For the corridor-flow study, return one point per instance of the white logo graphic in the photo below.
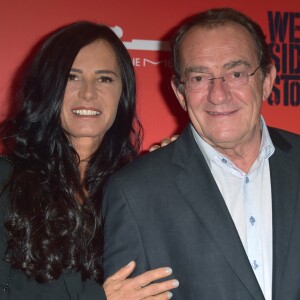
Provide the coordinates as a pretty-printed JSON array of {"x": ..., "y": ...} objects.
[{"x": 150, "y": 45}]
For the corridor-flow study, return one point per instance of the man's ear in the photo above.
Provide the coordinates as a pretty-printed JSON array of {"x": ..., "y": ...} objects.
[
  {"x": 269, "y": 82},
  {"x": 180, "y": 93}
]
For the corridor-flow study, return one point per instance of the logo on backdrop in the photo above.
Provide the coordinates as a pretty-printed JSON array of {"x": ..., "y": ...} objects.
[
  {"x": 151, "y": 45},
  {"x": 145, "y": 45},
  {"x": 284, "y": 29},
  {"x": 284, "y": 32}
]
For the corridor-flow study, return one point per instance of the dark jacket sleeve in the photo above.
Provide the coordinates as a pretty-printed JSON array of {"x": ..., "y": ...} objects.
[
  {"x": 122, "y": 239},
  {"x": 92, "y": 291},
  {"x": 82, "y": 290},
  {"x": 5, "y": 170}
]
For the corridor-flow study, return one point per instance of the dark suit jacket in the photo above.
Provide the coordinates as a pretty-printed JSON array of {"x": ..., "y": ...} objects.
[
  {"x": 165, "y": 209},
  {"x": 14, "y": 285}
]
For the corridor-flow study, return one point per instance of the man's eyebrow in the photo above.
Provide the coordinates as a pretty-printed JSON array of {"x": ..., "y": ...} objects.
[
  {"x": 196, "y": 69},
  {"x": 227, "y": 66},
  {"x": 236, "y": 63}
]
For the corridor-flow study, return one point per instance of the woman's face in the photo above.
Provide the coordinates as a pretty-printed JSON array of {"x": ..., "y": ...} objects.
[{"x": 92, "y": 95}]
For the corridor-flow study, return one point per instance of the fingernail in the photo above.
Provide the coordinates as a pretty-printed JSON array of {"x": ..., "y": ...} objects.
[
  {"x": 175, "y": 283},
  {"x": 168, "y": 271},
  {"x": 170, "y": 295},
  {"x": 128, "y": 265}
]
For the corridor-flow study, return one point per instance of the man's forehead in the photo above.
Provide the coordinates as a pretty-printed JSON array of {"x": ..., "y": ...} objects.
[{"x": 227, "y": 66}]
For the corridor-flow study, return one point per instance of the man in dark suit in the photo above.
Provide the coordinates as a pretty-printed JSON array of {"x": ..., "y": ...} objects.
[{"x": 220, "y": 205}]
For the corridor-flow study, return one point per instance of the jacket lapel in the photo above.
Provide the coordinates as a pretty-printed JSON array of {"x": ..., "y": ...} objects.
[{"x": 198, "y": 188}]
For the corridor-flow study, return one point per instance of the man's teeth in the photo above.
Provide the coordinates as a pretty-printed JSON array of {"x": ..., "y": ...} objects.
[
  {"x": 85, "y": 112},
  {"x": 216, "y": 113}
]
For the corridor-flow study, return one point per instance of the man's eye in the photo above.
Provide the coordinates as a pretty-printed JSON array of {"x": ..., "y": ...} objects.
[
  {"x": 237, "y": 74},
  {"x": 198, "y": 78},
  {"x": 105, "y": 79}
]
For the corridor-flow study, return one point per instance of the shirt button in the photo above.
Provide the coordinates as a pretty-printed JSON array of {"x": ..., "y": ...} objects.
[
  {"x": 255, "y": 265},
  {"x": 224, "y": 161},
  {"x": 252, "y": 220},
  {"x": 247, "y": 179}
]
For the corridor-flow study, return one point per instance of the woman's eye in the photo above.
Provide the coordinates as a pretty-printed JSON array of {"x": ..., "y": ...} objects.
[
  {"x": 72, "y": 77},
  {"x": 105, "y": 79}
]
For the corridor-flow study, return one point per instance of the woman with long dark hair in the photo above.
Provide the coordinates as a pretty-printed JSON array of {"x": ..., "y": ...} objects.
[{"x": 75, "y": 125}]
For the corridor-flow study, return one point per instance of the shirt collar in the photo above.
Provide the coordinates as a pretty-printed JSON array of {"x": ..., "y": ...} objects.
[{"x": 265, "y": 151}]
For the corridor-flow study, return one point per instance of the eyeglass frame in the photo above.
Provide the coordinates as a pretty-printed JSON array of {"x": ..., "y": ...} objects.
[{"x": 211, "y": 80}]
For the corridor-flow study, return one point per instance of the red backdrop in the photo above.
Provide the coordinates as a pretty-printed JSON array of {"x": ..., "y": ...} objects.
[{"x": 145, "y": 27}]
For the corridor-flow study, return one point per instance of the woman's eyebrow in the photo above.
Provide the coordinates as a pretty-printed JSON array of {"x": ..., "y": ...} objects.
[
  {"x": 105, "y": 72},
  {"x": 75, "y": 70}
]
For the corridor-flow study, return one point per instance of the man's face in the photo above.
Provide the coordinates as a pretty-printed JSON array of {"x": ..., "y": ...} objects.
[{"x": 224, "y": 115}]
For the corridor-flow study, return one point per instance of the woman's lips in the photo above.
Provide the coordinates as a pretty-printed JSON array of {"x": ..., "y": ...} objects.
[{"x": 86, "y": 111}]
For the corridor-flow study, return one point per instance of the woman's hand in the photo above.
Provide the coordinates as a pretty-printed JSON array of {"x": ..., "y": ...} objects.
[
  {"x": 164, "y": 142},
  {"x": 118, "y": 287}
]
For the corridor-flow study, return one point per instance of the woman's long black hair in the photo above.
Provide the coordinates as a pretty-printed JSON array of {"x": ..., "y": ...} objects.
[{"x": 49, "y": 231}]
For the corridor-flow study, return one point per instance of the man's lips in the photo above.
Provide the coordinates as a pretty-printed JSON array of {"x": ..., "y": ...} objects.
[{"x": 225, "y": 113}]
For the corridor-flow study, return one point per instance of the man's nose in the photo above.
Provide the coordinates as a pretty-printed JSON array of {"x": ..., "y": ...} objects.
[{"x": 218, "y": 90}]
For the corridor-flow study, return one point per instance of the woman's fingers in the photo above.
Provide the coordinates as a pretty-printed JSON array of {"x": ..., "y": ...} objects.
[
  {"x": 154, "y": 147},
  {"x": 117, "y": 287},
  {"x": 159, "y": 290},
  {"x": 174, "y": 137},
  {"x": 124, "y": 272},
  {"x": 164, "y": 296},
  {"x": 164, "y": 142},
  {"x": 149, "y": 276}
]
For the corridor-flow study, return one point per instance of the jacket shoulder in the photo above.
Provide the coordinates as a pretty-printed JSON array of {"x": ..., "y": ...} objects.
[{"x": 285, "y": 140}]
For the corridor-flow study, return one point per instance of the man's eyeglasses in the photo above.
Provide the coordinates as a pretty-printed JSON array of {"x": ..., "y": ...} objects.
[{"x": 199, "y": 82}]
